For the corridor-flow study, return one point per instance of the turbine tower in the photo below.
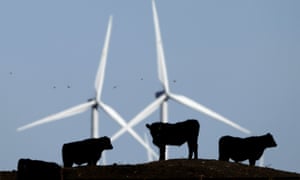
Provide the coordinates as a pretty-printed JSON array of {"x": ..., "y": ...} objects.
[
  {"x": 163, "y": 96},
  {"x": 94, "y": 104}
]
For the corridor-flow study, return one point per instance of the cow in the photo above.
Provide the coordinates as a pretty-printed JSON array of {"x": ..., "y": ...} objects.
[
  {"x": 175, "y": 134},
  {"x": 37, "y": 170},
  {"x": 240, "y": 149},
  {"x": 86, "y": 151}
]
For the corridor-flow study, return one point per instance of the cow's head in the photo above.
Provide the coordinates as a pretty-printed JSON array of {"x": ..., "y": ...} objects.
[
  {"x": 269, "y": 140},
  {"x": 156, "y": 132},
  {"x": 105, "y": 143}
]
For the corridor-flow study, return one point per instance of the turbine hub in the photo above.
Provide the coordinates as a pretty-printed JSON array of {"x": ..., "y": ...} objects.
[{"x": 96, "y": 104}]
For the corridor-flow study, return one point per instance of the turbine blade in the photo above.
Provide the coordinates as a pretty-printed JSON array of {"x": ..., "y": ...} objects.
[
  {"x": 118, "y": 134},
  {"x": 147, "y": 111},
  {"x": 141, "y": 116},
  {"x": 149, "y": 155},
  {"x": 142, "y": 142},
  {"x": 101, "y": 69},
  {"x": 137, "y": 137},
  {"x": 66, "y": 113},
  {"x": 193, "y": 104},
  {"x": 162, "y": 70},
  {"x": 113, "y": 114}
]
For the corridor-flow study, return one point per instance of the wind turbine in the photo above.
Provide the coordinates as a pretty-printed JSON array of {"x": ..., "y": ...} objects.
[
  {"x": 163, "y": 96},
  {"x": 94, "y": 104}
]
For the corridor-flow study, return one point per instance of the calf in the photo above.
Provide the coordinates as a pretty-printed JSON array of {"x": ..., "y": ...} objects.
[
  {"x": 86, "y": 151},
  {"x": 36, "y": 170},
  {"x": 240, "y": 149},
  {"x": 175, "y": 134}
]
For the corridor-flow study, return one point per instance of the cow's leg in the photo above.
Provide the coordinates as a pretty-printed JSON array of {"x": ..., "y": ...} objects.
[
  {"x": 193, "y": 149},
  {"x": 92, "y": 162},
  {"x": 223, "y": 156},
  {"x": 67, "y": 158},
  {"x": 252, "y": 162},
  {"x": 67, "y": 163},
  {"x": 162, "y": 153},
  {"x": 190, "y": 150},
  {"x": 196, "y": 151}
]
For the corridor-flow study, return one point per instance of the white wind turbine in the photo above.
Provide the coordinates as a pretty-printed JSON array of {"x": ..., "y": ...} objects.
[
  {"x": 94, "y": 104},
  {"x": 165, "y": 95}
]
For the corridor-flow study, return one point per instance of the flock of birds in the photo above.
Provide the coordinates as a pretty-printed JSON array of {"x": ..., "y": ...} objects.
[{"x": 69, "y": 86}]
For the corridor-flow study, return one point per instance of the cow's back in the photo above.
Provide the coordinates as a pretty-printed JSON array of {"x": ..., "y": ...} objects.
[
  {"x": 240, "y": 149},
  {"x": 85, "y": 151},
  {"x": 230, "y": 142},
  {"x": 231, "y": 147},
  {"x": 81, "y": 151},
  {"x": 181, "y": 132}
]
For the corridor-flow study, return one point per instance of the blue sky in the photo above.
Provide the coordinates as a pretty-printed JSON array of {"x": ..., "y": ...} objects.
[{"x": 240, "y": 58}]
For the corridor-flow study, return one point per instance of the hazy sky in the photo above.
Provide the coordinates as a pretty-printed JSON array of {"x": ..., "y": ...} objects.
[{"x": 240, "y": 58}]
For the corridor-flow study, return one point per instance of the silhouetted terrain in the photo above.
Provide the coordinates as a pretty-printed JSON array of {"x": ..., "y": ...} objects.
[{"x": 171, "y": 169}]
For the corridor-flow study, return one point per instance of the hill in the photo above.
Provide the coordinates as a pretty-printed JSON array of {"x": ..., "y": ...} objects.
[{"x": 171, "y": 169}]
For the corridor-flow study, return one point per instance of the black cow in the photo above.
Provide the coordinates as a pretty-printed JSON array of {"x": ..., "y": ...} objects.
[
  {"x": 175, "y": 134},
  {"x": 36, "y": 170},
  {"x": 240, "y": 149},
  {"x": 85, "y": 151}
]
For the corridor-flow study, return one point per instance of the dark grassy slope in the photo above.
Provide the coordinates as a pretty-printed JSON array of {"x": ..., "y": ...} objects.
[
  {"x": 171, "y": 169},
  {"x": 178, "y": 169}
]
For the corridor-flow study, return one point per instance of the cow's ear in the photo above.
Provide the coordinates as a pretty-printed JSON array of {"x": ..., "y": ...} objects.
[{"x": 148, "y": 126}]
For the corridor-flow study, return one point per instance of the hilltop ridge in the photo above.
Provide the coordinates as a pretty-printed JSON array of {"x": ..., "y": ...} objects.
[
  {"x": 178, "y": 169},
  {"x": 171, "y": 169}
]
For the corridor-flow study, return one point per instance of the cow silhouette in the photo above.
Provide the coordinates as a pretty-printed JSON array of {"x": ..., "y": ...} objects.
[
  {"x": 86, "y": 151},
  {"x": 175, "y": 134},
  {"x": 36, "y": 170},
  {"x": 240, "y": 149}
]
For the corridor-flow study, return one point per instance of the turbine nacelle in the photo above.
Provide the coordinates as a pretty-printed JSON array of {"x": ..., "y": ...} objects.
[{"x": 161, "y": 93}]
